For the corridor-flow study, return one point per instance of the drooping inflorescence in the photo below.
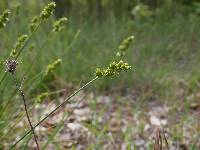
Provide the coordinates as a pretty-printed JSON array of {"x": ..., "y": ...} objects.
[
  {"x": 59, "y": 24},
  {"x": 47, "y": 11},
  {"x": 4, "y": 18},
  {"x": 41, "y": 97},
  {"x": 51, "y": 67},
  {"x": 123, "y": 47},
  {"x": 45, "y": 14},
  {"x": 31, "y": 47},
  {"x": 34, "y": 23},
  {"x": 113, "y": 69},
  {"x": 19, "y": 44},
  {"x": 117, "y": 66}
]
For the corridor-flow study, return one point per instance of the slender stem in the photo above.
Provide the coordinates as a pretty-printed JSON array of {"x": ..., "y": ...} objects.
[
  {"x": 20, "y": 50},
  {"x": 3, "y": 78},
  {"x": 37, "y": 54},
  {"x": 27, "y": 41},
  {"x": 165, "y": 139},
  {"x": 53, "y": 111},
  {"x": 26, "y": 110}
]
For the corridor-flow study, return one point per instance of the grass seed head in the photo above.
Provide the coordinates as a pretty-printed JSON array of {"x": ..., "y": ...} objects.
[
  {"x": 123, "y": 47},
  {"x": 47, "y": 11},
  {"x": 59, "y": 24},
  {"x": 41, "y": 97},
  {"x": 4, "y": 18},
  {"x": 19, "y": 44},
  {"x": 34, "y": 23},
  {"x": 113, "y": 69},
  {"x": 52, "y": 67}
]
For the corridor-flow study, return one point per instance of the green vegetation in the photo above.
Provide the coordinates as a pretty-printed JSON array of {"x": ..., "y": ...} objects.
[{"x": 60, "y": 51}]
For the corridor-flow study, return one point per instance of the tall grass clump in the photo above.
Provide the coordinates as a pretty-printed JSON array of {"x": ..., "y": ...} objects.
[{"x": 16, "y": 76}]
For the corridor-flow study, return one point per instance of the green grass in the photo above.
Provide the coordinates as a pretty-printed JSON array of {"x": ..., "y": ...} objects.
[
  {"x": 161, "y": 48},
  {"x": 165, "y": 57}
]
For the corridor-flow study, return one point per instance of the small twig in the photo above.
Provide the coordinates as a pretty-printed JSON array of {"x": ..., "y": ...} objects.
[
  {"x": 53, "y": 111},
  {"x": 25, "y": 106},
  {"x": 22, "y": 82},
  {"x": 165, "y": 139},
  {"x": 159, "y": 137}
]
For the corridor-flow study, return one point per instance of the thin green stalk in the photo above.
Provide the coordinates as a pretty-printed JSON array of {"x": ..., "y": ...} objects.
[
  {"x": 37, "y": 54},
  {"x": 52, "y": 112},
  {"x": 18, "y": 87},
  {"x": 27, "y": 41},
  {"x": 21, "y": 49},
  {"x": 57, "y": 129}
]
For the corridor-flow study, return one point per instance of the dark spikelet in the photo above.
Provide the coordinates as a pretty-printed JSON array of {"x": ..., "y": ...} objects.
[{"x": 11, "y": 65}]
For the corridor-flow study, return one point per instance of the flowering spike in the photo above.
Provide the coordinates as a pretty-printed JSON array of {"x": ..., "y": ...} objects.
[
  {"x": 47, "y": 11},
  {"x": 34, "y": 23},
  {"x": 45, "y": 14},
  {"x": 41, "y": 97},
  {"x": 51, "y": 67},
  {"x": 59, "y": 24},
  {"x": 124, "y": 46},
  {"x": 31, "y": 48},
  {"x": 19, "y": 44},
  {"x": 114, "y": 68},
  {"x": 99, "y": 72},
  {"x": 4, "y": 18}
]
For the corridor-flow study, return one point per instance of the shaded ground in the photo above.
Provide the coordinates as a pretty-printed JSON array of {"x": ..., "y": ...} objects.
[{"x": 113, "y": 122}]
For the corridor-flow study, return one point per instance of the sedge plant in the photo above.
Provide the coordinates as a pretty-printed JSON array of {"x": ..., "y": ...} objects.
[
  {"x": 22, "y": 41},
  {"x": 115, "y": 67}
]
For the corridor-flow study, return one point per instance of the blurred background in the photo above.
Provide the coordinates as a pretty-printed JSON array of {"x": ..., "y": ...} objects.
[
  {"x": 166, "y": 32},
  {"x": 162, "y": 90}
]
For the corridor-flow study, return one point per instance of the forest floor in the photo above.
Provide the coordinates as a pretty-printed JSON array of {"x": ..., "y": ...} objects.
[{"x": 116, "y": 123}]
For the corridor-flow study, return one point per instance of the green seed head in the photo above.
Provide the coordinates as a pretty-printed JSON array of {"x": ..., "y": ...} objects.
[
  {"x": 22, "y": 38},
  {"x": 41, "y": 97},
  {"x": 99, "y": 72},
  {"x": 34, "y": 23},
  {"x": 32, "y": 46},
  {"x": 4, "y": 18},
  {"x": 52, "y": 67},
  {"x": 123, "y": 47},
  {"x": 19, "y": 44},
  {"x": 47, "y": 11},
  {"x": 59, "y": 24},
  {"x": 113, "y": 69}
]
